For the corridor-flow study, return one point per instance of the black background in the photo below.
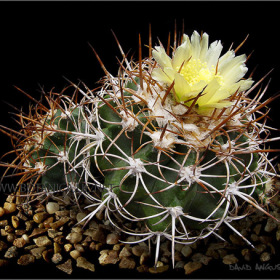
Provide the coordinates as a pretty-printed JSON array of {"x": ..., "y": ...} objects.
[{"x": 42, "y": 42}]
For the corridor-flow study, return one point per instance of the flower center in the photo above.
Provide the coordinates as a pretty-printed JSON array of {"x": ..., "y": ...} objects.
[{"x": 194, "y": 71}]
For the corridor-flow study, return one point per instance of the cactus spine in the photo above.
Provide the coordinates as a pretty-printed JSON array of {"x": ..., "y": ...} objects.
[{"x": 174, "y": 143}]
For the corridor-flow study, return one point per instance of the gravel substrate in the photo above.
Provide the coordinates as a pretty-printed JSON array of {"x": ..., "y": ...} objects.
[{"x": 49, "y": 232}]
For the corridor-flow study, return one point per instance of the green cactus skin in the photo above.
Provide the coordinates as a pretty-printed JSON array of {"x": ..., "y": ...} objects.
[{"x": 58, "y": 151}]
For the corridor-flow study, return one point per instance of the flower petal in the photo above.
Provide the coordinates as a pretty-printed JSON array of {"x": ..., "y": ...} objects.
[
  {"x": 182, "y": 54},
  {"x": 225, "y": 60},
  {"x": 241, "y": 85},
  {"x": 209, "y": 107},
  {"x": 226, "y": 66},
  {"x": 195, "y": 41},
  {"x": 161, "y": 57},
  {"x": 235, "y": 74},
  {"x": 208, "y": 93},
  {"x": 161, "y": 76},
  {"x": 213, "y": 53},
  {"x": 181, "y": 87},
  {"x": 204, "y": 46},
  {"x": 186, "y": 39}
]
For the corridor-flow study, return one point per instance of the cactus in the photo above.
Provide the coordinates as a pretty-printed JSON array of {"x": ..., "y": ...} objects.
[{"x": 174, "y": 143}]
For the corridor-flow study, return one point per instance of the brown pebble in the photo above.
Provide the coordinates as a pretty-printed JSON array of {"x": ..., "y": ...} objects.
[
  {"x": 2, "y": 211},
  {"x": 42, "y": 241},
  {"x": 236, "y": 240},
  {"x": 3, "y": 246},
  {"x": 9, "y": 229},
  {"x": 178, "y": 256},
  {"x": 127, "y": 263},
  {"x": 15, "y": 221},
  {"x": 83, "y": 263},
  {"x": 139, "y": 250},
  {"x": 37, "y": 231},
  {"x": 52, "y": 233},
  {"x": 190, "y": 267},
  {"x": 77, "y": 229},
  {"x": 29, "y": 225},
  {"x": 98, "y": 246},
  {"x": 52, "y": 207},
  {"x": 41, "y": 226},
  {"x": 79, "y": 218},
  {"x": 74, "y": 237},
  {"x": 3, "y": 223},
  {"x": 270, "y": 225},
  {"x": 246, "y": 254},
  {"x": 22, "y": 217},
  {"x": 57, "y": 258},
  {"x": 160, "y": 269},
  {"x": 88, "y": 239},
  {"x": 62, "y": 213},
  {"x": 3, "y": 232},
  {"x": 40, "y": 217},
  {"x": 230, "y": 259},
  {"x": 112, "y": 238},
  {"x": 9, "y": 207},
  {"x": 254, "y": 237},
  {"x": 100, "y": 215},
  {"x": 180, "y": 265},
  {"x": 37, "y": 252},
  {"x": 92, "y": 246},
  {"x": 257, "y": 229},
  {"x": 20, "y": 231},
  {"x": 40, "y": 208},
  {"x": 56, "y": 248},
  {"x": 108, "y": 257},
  {"x": 26, "y": 259},
  {"x": 125, "y": 252},
  {"x": 59, "y": 239},
  {"x": 68, "y": 247},
  {"x": 47, "y": 254},
  {"x": 85, "y": 244},
  {"x": 75, "y": 254},
  {"x": 117, "y": 247},
  {"x": 212, "y": 253},
  {"x": 144, "y": 258},
  {"x": 198, "y": 257},
  {"x": 278, "y": 235},
  {"x": 11, "y": 252},
  {"x": 142, "y": 268},
  {"x": 47, "y": 223},
  {"x": 186, "y": 251},
  {"x": 19, "y": 242},
  {"x": 97, "y": 234},
  {"x": 259, "y": 248},
  {"x": 59, "y": 223},
  {"x": 159, "y": 264},
  {"x": 10, "y": 198},
  {"x": 30, "y": 247},
  {"x": 79, "y": 248},
  {"x": 265, "y": 257},
  {"x": 66, "y": 267},
  {"x": 11, "y": 237}
]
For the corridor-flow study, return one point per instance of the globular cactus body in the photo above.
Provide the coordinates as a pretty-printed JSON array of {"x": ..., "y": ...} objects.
[{"x": 172, "y": 143}]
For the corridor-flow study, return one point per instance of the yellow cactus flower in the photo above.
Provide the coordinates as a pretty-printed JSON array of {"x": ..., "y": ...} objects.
[{"x": 196, "y": 67}]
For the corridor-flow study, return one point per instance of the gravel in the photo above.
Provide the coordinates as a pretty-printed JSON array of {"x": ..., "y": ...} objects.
[{"x": 38, "y": 232}]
